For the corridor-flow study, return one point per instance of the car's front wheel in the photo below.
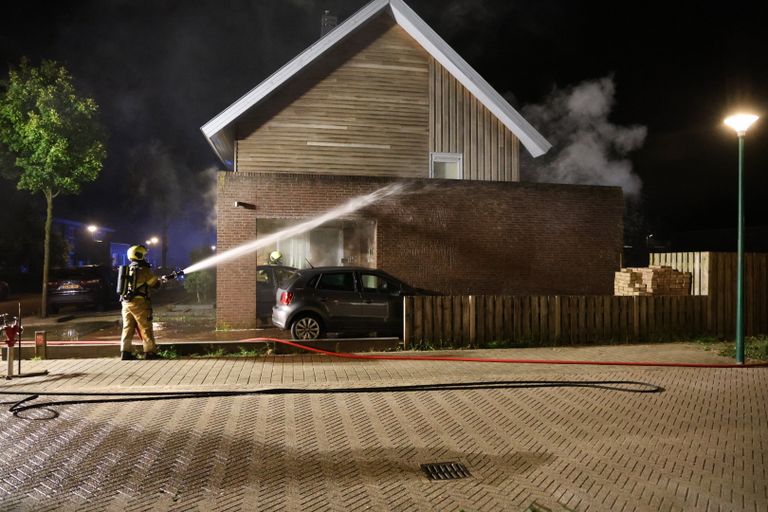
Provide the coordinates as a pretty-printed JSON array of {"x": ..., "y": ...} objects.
[{"x": 306, "y": 327}]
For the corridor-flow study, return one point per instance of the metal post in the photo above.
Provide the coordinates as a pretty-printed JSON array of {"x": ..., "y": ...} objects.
[
  {"x": 19, "y": 337},
  {"x": 9, "y": 373},
  {"x": 740, "y": 261}
]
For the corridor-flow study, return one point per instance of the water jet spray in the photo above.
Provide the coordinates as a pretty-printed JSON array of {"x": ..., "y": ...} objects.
[{"x": 347, "y": 208}]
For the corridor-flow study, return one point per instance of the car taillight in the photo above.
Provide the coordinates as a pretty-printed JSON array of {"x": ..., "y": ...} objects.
[{"x": 286, "y": 298}]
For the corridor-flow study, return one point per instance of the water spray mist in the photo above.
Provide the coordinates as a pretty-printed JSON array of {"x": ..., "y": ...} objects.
[{"x": 347, "y": 208}]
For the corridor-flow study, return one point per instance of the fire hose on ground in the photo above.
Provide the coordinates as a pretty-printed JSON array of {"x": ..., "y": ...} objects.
[{"x": 27, "y": 403}]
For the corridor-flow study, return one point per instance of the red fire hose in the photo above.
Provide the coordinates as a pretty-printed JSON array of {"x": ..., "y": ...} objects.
[
  {"x": 387, "y": 357},
  {"x": 396, "y": 357}
]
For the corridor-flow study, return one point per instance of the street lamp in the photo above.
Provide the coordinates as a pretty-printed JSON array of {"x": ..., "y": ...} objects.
[
  {"x": 93, "y": 229},
  {"x": 740, "y": 123},
  {"x": 152, "y": 241}
]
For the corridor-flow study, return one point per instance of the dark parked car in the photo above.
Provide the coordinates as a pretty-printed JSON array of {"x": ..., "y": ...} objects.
[
  {"x": 268, "y": 278},
  {"x": 90, "y": 285},
  {"x": 346, "y": 300}
]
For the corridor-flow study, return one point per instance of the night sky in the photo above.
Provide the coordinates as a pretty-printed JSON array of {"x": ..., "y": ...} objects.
[{"x": 160, "y": 69}]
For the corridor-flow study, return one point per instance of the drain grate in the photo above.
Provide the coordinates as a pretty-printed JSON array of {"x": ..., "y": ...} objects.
[{"x": 445, "y": 470}]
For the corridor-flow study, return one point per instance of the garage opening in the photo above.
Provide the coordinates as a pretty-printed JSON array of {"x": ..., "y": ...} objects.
[{"x": 336, "y": 243}]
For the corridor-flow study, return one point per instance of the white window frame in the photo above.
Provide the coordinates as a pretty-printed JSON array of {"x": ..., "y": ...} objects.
[{"x": 457, "y": 158}]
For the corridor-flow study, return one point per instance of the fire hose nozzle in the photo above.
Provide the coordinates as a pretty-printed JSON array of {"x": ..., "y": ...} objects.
[{"x": 173, "y": 275}]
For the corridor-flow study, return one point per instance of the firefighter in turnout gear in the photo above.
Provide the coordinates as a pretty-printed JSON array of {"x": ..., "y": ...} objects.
[{"x": 135, "y": 283}]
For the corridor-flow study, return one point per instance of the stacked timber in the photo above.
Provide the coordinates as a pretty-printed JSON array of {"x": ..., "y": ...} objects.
[{"x": 653, "y": 280}]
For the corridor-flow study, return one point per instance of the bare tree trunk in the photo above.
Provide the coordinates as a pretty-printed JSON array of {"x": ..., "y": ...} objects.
[{"x": 46, "y": 251}]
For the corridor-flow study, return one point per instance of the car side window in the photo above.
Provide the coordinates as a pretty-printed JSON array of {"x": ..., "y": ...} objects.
[
  {"x": 373, "y": 283},
  {"x": 337, "y": 281}
]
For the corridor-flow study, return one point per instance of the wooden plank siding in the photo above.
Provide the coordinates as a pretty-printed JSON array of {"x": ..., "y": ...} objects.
[
  {"x": 458, "y": 123},
  {"x": 361, "y": 109},
  {"x": 376, "y": 104}
]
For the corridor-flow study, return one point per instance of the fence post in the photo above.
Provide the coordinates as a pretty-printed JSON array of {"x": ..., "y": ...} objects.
[
  {"x": 636, "y": 318},
  {"x": 407, "y": 321},
  {"x": 472, "y": 322}
]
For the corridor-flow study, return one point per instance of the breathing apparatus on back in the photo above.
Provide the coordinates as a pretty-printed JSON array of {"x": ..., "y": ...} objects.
[
  {"x": 128, "y": 286},
  {"x": 127, "y": 274}
]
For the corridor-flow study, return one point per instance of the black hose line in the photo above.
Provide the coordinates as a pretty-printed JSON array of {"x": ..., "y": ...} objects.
[{"x": 26, "y": 404}]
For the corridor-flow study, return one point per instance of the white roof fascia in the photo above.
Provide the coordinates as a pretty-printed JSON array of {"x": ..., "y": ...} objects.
[
  {"x": 533, "y": 141},
  {"x": 283, "y": 74}
]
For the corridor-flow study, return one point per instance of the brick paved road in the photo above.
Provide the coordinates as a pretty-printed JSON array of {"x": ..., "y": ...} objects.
[{"x": 700, "y": 445}]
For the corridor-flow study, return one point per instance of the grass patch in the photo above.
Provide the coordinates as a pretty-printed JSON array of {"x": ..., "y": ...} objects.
[
  {"x": 427, "y": 346},
  {"x": 256, "y": 352},
  {"x": 169, "y": 352},
  {"x": 219, "y": 352},
  {"x": 242, "y": 352},
  {"x": 755, "y": 347}
]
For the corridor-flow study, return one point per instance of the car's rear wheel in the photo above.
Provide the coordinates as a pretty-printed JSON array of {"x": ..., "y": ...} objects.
[{"x": 307, "y": 327}]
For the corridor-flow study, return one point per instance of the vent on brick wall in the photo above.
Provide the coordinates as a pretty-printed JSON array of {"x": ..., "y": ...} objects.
[{"x": 445, "y": 470}]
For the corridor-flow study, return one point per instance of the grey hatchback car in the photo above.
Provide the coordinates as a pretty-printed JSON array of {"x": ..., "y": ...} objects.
[{"x": 345, "y": 300}]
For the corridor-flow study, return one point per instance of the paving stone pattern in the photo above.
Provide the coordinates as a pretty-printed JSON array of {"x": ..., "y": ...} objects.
[{"x": 700, "y": 445}]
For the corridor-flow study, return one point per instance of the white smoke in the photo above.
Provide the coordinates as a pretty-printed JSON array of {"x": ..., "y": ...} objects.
[
  {"x": 588, "y": 149},
  {"x": 207, "y": 182}
]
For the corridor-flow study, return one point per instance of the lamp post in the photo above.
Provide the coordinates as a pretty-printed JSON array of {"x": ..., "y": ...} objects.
[
  {"x": 740, "y": 123},
  {"x": 152, "y": 241}
]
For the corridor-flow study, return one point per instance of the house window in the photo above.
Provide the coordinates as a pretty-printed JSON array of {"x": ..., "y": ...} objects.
[
  {"x": 446, "y": 166},
  {"x": 335, "y": 243}
]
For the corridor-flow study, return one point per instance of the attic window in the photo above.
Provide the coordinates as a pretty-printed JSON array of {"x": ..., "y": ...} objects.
[{"x": 446, "y": 166}]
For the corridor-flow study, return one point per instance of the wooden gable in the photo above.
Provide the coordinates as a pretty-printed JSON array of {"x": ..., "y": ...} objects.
[
  {"x": 361, "y": 109},
  {"x": 376, "y": 104}
]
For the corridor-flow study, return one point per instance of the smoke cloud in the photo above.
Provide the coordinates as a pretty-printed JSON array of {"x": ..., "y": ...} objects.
[{"x": 588, "y": 148}]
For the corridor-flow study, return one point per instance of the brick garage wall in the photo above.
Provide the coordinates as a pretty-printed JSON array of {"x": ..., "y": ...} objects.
[
  {"x": 457, "y": 237},
  {"x": 235, "y": 280}
]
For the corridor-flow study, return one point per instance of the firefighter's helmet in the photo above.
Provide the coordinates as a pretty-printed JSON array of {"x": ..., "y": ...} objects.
[
  {"x": 275, "y": 258},
  {"x": 137, "y": 253}
]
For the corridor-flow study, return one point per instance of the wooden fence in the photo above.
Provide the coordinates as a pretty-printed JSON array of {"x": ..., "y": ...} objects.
[
  {"x": 562, "y": 320},
  {"x": 471, "y": 321},
  {"x": 714, "y": 274}
]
